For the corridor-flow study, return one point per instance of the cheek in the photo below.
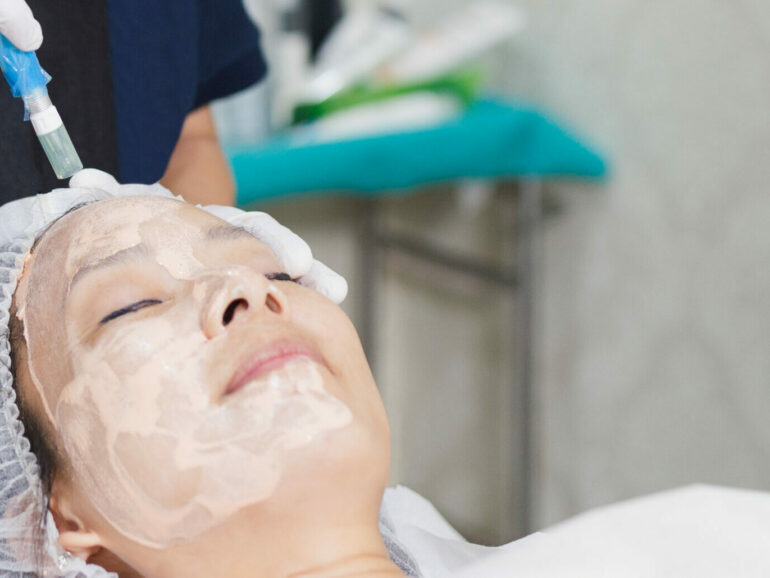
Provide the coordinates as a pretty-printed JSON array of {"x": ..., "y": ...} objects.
[
  {"x": 332, "y": 330},
  {"x": 335, "y": 334},
  {"x": 138, "y": 372},
  {"x": 126, "y": 352},
  {"x": 161, "y": 471}
]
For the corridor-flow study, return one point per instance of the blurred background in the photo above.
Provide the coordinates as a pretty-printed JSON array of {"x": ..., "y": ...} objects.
[{"x": 650, "y": 284}]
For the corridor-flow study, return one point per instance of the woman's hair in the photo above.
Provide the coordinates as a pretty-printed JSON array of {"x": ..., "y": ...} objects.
[
  {"x": 41, "y": 438},
  {"x": 35, "y": 430}
]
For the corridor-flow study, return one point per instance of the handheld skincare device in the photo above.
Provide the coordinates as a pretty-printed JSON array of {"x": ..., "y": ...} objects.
[{"x": 28, "y": 81}]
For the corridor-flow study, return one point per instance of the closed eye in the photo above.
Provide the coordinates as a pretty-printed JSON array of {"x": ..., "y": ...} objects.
[
  {"x": 279, "y": 277},
  {"x": 149, "y": 302},
  {"x": 130, "y": 309}
]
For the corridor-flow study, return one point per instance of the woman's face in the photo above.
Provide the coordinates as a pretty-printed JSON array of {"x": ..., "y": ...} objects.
[{"x": 185, "y": 378}]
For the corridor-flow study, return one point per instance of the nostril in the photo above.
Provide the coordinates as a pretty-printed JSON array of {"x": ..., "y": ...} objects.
[
  {"x": 273, "y": 304},
  {"x": 232, "y": 309}
]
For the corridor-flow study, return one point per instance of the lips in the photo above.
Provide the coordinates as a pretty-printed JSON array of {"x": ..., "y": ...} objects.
[{"x": 268, "y": 358}]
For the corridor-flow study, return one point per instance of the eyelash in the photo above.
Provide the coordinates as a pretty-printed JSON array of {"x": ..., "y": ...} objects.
[
  {"x": 148, "y": 302},
  {"x": 280, "y": 277},
  {"x": 130, "y": 309}
]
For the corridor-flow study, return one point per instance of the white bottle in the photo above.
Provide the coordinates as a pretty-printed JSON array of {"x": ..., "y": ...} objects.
[
  {"x": 463, "y": 36},
  {"x": 364, "y": 39},
  {"x": 291, "y": 61}
]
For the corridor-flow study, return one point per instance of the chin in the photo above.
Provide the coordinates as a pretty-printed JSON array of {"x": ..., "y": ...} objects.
[
  {"x": 345, "y": 468},
  {"x": 343, "y": 473},
  {"x": 356, "y": 454}
]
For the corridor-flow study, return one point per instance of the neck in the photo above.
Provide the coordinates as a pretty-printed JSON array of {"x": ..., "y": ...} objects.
[
  {"x": 343, "y": 551},
  {"x": 359, "y": 558},
  {"x": 321, "y": 522},
  {"x": 363, "y": 565},
  {"x": 334, "y": 551},
  {"x": 336, "y": 540}
]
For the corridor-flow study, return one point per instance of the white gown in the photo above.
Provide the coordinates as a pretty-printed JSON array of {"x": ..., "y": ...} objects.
[{"x": 694, "y": 532}]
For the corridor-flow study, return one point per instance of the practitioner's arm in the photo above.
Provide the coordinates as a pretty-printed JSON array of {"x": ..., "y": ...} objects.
[{"x": 198, "y": 170}]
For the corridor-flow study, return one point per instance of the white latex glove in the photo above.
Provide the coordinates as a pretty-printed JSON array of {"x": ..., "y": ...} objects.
[
  {"x": 19, "y": 26},
  {"x": 294, "y": 254}
]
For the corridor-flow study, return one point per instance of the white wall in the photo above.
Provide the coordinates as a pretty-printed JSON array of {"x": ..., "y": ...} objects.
[
  {"x": 654, "y": 317},
  {"x": 654, "y": 366}
]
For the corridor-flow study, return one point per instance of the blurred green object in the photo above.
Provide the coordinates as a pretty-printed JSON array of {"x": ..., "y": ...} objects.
[
  {"x": 493, "y": 139},
  {"x": 464, "y": 85}
]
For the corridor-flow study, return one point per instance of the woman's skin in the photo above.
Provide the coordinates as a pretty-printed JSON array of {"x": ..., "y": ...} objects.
[{"x": 206, "y": 305}]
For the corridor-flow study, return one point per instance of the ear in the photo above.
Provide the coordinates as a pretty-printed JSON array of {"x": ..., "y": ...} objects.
[{"x": 74, "y": 535}]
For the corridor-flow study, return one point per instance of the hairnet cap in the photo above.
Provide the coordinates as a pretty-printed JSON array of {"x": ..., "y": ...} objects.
[
  {"x": 23, "y": 538},
  {"x": 27, "y": 546}
]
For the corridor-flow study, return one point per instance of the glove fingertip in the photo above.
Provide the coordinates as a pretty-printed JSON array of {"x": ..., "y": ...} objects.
[
  {"x": 35, "y": 40},
  {"x": 327, "y": 282},
  {"x": 297, "y": 262},
  {"x": 30, "y": 44},
  {"x": 28, "y": 35},
  {"x": 94, "y": 179},
  {"x": 340, "y": 290}
]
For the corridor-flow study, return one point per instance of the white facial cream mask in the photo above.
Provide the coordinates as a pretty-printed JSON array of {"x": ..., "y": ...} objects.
[
  {"x": 159, "y": 452},
  {"x": 177, "y": 465}
]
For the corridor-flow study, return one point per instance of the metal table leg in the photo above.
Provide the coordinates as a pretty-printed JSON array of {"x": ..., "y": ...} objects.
[
  {"x": 528, "y": 218},
  {"x": 370, "y": 269},
  {"x": 520, "y": 281}
]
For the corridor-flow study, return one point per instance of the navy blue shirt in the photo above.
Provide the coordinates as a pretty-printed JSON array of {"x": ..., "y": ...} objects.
[{"x": 126, "y": 73}]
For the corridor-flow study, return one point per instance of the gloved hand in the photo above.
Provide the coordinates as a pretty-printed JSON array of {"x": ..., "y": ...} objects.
[
  {"x": 293, "y": 253},
  {"x": 19, "y": 26}
]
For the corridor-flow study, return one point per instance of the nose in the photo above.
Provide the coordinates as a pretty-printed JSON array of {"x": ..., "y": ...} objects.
[{"x": 235, "y": 295}]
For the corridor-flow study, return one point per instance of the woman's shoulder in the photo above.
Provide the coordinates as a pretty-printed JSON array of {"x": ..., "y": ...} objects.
[
  {"x": 407, "y": 508},
  {"x": 424, "y": 537}
]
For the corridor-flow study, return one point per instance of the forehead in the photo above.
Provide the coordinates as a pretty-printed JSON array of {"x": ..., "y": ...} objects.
[
  {"x": 104, "y": 228},
  {"x": 97, "y": 232},
  {"x": 125, "y": 212}
]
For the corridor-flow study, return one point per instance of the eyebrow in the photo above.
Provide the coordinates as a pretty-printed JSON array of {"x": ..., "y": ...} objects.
[
  {"x": 120, "y": 258},
  {"x": 227, "y": 232},
  {"x": 217, "y": 233}
]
